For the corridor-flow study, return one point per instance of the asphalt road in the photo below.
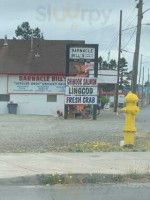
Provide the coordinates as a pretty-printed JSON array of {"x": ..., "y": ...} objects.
[
  {"x": 144, "y": 115},
  {"x": 88, "y": 192}
]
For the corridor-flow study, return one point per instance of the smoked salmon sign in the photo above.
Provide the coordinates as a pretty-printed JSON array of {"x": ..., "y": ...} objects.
[{"x": 36, "y": 84}]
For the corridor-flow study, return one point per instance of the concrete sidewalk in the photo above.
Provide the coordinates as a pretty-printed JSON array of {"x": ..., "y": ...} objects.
[{"x": 16, "y": 165}]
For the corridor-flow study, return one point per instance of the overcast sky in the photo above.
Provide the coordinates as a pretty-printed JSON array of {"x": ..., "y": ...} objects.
[{"x": 95, "y": 21}]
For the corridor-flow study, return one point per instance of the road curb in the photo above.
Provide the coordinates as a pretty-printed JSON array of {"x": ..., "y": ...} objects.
[{"x": 53, "y": 179}]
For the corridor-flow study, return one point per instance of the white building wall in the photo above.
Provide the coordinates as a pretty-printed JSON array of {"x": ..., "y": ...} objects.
[
  {"x": 30, "y": 103},
  {"x": 105, "y": 76},
  {"x": 3, "y": 90},
  {"x": 37, "y": 104},
  {"x": 3, "y": 84}
]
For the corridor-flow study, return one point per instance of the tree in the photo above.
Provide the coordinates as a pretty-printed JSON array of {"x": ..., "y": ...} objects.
[
  {"x": 125, "y": 76},
  {"x": 105, "y": 65},
  {"x": 123, "y": 70},
  {"x": 128, "y": 79},
  {"x": 37, "y": 34},
  {"x": 100, "y": 60},
  {"x": 113, "y": 64},
  {"x": 26, "y": 32},
  {"x": 147, "y": 84}
]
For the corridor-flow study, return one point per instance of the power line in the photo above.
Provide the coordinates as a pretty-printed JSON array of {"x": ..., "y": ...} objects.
[
  {"x": 127, "y": 51},
  {"x": 129, "y": 28},
  {"x": 125, "y": 57},
  {"x": 90, "y": 32},
  {"x": 146, "y": 10},
  {"x": 130, "y": 39},
  {"x": 146, "y": 62},
  {"x": 135, "y": 27},
  {"x": 115, "y": 38},
  {"x": 132, "y": 19}
]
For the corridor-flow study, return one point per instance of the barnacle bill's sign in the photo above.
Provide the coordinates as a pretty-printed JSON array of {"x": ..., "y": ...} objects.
[
  {"x": 81, "y": 90},
  {"x": 87, "y": 53},
  {"x": 36, "y": 84}
]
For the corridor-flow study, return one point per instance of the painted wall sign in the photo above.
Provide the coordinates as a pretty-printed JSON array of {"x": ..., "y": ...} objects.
[
  {"x": 88, "y": 91},
  {"x": 81, "y": 81},
  {"x": 36, "y": 84},
  {"x": 80, "y": 100},
  {"x": 82, "y": 53}
]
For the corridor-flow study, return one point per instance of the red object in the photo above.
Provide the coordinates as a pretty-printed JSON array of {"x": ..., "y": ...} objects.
[{"x": 111, "y": 93}]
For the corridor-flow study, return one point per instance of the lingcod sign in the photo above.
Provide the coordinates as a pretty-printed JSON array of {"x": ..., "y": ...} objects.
[{"x": 87, "y": 91}]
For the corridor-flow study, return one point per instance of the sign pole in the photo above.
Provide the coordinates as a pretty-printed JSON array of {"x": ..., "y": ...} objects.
[
  {"x": 66, "y": 75},
  {"x": 95, "y": 76}
]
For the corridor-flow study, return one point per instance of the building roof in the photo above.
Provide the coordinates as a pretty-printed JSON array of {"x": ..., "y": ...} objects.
[{"x": 17, "y": 57}]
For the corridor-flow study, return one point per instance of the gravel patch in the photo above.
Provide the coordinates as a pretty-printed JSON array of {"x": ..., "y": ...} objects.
[{"x": 28, "y": 133}]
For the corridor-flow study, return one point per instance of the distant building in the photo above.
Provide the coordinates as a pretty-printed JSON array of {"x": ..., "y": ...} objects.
[{"x": 105, "y": 76}]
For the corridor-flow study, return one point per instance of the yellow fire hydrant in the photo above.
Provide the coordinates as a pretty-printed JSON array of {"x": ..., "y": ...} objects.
[{"x": 131, "y": 110}]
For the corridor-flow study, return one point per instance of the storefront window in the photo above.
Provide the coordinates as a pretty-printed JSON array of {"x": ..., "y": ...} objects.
[
  {"x": 51, "y": 98},
  {"x": 4, "y": 97}
]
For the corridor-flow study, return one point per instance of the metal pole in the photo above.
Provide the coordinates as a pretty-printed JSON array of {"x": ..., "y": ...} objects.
[
  {"x": 32, "y": 41},
  {"x": 66, "y": 75},
  {"x": 140, "y": 78},
  {"x": 148, "y": 89},
  {"x": 118, "y": 67},
  {"x": 137, "y": 47},
  {"x": 142, "y": 101},
  {"x": 95, "y": 75},
  {"x": 140, "y": 73}
]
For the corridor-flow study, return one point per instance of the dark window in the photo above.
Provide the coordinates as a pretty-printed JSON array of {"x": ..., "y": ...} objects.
[
  {"x": 4, "y": 97},
  {"x": 51, "y": 98}
]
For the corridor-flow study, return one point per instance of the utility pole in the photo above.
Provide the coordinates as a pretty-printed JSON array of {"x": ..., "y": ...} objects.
[
  {"x": 148, "y": 89},
  {"x": 118, "y": 68},
  {"x": 149, "y": 85},
  {"x": 108, "y": 56},
  {"x": 142, "y": 100},
  {"x": 140, "y": 74},
  {"x": 137, "y": 47}
]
